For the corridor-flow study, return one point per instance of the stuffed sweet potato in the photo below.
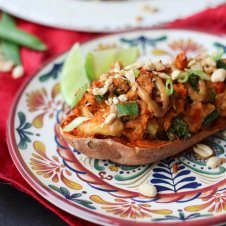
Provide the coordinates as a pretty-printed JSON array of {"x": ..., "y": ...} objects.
[{"x": 146, "y": 112}]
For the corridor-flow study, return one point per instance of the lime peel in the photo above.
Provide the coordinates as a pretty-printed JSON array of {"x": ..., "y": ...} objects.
[{"x": 73, "y": 79}]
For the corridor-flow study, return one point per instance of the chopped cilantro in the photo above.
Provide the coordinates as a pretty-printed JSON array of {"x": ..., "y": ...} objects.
[
  {"x": 221, "y": 64},
  {"x": 193, "y": 81}
]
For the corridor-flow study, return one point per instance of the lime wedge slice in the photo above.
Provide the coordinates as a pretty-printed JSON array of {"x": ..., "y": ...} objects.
[
  {"x": 98, "y": 62},
  {"x": 73, "y": 78}
]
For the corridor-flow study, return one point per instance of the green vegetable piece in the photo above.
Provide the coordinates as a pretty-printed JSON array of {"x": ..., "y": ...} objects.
[
  {"x": 178, "y": 129},
  {"x": 211, "y": 117},
  {"x": 7, "y": 20},
  {"x": 217, "y": 56},
  {"x": 194, "y": 81},
  {"x": 212, "y": 95},
  {"x": 202, "y": 75},
  {"x": 169, "y": 87},
  {"x": 128, "y": 109},
  {"x": 221, "y": 64},
  {"x": 199, "y": 73},
  {"x": 99, "y": 62},
  {"x": 183, "y": 77},
  {"x": 75, "y": 123},
  {"x": 20, "y": 37},
  {"x": 99, "y": 98},
  {"x": 10, "y": 50}
]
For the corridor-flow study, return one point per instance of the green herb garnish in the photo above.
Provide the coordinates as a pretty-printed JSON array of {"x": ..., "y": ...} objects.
[
  {"x": 99, "y": 98},
  {"x": 211, "y": 117},
  {"x": 178, "y": 129},
  {"x": 194, "y": 81},
  {"x": 221, "y": 64},
  {"x": 218, "y": 55},
  {"x": 128, "y": 109},
  {"x": 199, "y": 73},
  {"x": 212, "y": 95}
]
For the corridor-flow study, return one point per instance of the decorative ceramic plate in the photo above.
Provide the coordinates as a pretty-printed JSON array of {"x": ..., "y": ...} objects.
[
  {"x": 104, "y": 16},
  {"x": 189, "y": 193}
]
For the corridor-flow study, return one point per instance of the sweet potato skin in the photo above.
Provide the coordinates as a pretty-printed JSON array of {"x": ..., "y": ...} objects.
[{"x": 129, "y": 155}]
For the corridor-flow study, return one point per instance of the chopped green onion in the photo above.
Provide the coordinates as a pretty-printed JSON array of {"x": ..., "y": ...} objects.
[
  {"x": 75, "y": 123},
  {"x": 183, "y": 77},
  {"x": 169, "y": 86},
  {"x": 10, "y": 50},
  {"x": 20, "y": 37},
  {"x": 194, "y": 81},
  {"x": 128, "y": 109},
  {"x": 200, "y": 73},
  {"x": 99, "y": 98},
  {"x": 221, "y": 64},
  {"x": 211, "y": 117},
  {"x": 218, "y": 55}
]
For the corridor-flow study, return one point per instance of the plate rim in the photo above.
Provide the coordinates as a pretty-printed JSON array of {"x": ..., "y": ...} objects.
[
  {"x": 86, "y": 214},
  {"x": 76, "y": 28},
  {"x": 103, "y": 29}
]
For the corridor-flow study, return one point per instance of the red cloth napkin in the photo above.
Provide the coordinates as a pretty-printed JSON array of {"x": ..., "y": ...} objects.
[{"x": 211, "y": 20}]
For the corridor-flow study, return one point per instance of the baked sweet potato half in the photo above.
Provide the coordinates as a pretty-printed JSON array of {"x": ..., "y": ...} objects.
[{"x": 144, "y": 113}]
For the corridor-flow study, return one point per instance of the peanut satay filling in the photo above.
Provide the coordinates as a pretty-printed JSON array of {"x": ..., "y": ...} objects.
[{"x": 142, "y": 104}]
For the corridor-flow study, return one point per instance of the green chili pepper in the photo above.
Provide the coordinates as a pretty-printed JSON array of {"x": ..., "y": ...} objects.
[
  {"x": 20, "y": 37},
  {"x": 10, "y": 50},
  {"x": 211, "y": 117},
  {"x": 169, "y": 87},
  {"x": 128, "y": 109}
]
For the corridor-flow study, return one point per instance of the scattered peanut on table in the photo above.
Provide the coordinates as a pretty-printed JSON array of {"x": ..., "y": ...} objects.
[{"x": 148, "y": 190}]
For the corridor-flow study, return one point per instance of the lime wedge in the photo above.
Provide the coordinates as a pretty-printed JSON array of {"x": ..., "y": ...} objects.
[
  {"x": 98, "y": 62},
  {"x": 73, "y": 78}
]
